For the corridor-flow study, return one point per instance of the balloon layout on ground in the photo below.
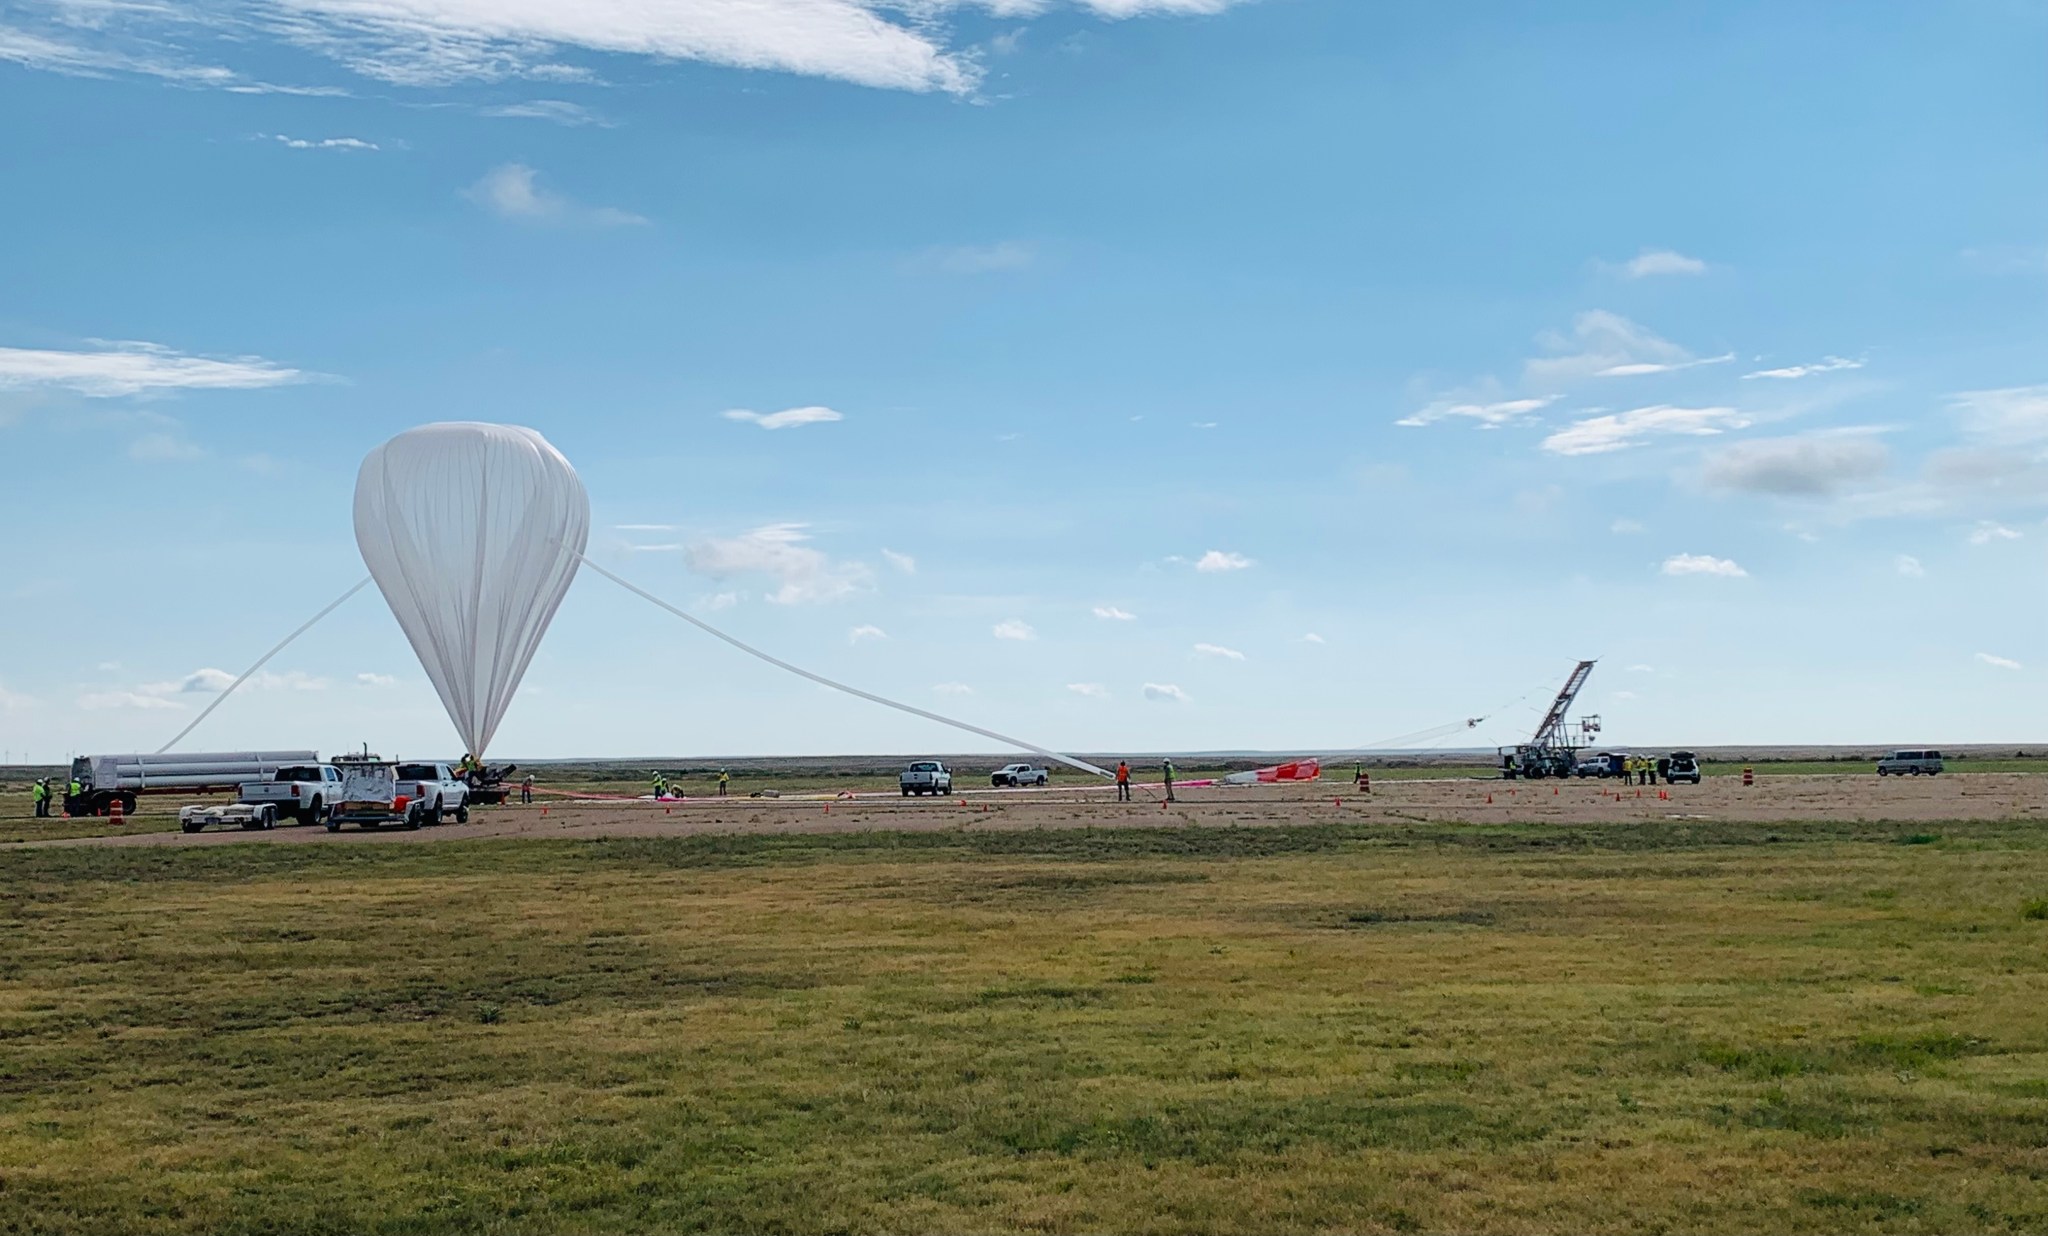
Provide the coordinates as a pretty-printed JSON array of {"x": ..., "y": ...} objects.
[{"x": 473, "y": 532}]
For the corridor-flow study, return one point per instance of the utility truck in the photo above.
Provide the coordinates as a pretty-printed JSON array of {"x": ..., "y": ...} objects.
[
  {"x": 104, "y": 780},
  {"x": 369, "y": 796},
  {"x": 926, "y": 777}
]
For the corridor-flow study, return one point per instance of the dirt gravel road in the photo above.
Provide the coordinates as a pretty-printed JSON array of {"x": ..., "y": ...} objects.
[{"x": 1991, "y": 796}]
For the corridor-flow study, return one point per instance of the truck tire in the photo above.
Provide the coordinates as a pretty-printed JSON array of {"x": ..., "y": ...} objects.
[
  {"x": 128, "y": 804},
  {"x": 462, "y": 812},
  {"x": 333, "y": 825},
  {"x": 191, "y": 826},
  {"x": 316, "y": 813},
  {"x": 412, "y": 818},
  {"x": 906, "y": 791},
  {"x": 269, "y": 818}
]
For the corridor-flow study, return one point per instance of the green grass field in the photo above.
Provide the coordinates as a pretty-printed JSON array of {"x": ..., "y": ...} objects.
[{"x": 1710, "y": 1027}]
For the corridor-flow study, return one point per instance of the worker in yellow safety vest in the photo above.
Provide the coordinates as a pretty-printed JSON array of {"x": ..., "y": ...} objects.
[
  {"x": 724, "y": 782},
  {"x": 661, "y": 785},
  {"x": 40, "y": 791}
]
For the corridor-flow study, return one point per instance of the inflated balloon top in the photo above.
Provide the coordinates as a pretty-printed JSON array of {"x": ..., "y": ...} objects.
[{"x": 473, "y": 532}]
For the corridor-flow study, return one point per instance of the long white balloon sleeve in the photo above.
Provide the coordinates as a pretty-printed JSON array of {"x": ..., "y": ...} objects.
[{"x": 473, "y": 532}]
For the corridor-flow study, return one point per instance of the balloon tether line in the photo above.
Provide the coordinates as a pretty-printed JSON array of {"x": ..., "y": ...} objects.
[
  {"x": 218, "y": 700},
  {"x": 820, "y": 679}
]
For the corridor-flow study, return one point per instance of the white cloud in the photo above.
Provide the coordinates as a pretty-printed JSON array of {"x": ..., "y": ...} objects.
[
  {"x": 1222, "y": 560},
  {"x": 1637, "y": 369},
  {"x": 1662, "y": 262},
  {"x": 512, "y": 191},
  {"x": 718, "y": 601},
  {"x": 1813, "y": 465},
  {"x": 200, "y": 681},
  {"x": 1702, "y": 564},
  {"x": 788, "y": 418},
  {"x": 164, "y": 448},
  {"x": 953, "y": 688},
  {"x": 1166, "y": 692},
  {"x": 1489, "y": 415},
  {"x": 1093, "y": 690},
  {"x": 2016, "y": 415},
  {"x": 1624, "y": 695},
  {"x": 1599, "y": 344},
  {"x": 559, "y": 111},
  {"x": 106, "y": 666},
  {"x": 1218, "y": 650},
  {"x": 325, "y": 143},
  {"x": 1617, "y": 431},
  {"x": 1203, "y": 424},
  {"x": 1989, "y": 530},
  {"x": 902, "y": 562},
  {"x": 644, "y": 527},
  {"x": 368, "y": 679},
  {"x": 664, "y": 547},
  {"x": 1642, "y": 669},
  {"x": 1626, "y": 527},
  {"x": 1313, "y": 638},
  {"x": 806, "y": 575},
  {"x": 1827, "y": 365},
  {"x": 129, "y": 368},
  {"x": 1115, "y": 614},
  {"x": 2004, "y": 663},
  {"x": 1013, "y": 629},
  {"x": 1909, "y": 566},
  {"x": 865, "y": 631},
  {"x": 997, "y": 258},
  {"x": 888, "y": 44}
]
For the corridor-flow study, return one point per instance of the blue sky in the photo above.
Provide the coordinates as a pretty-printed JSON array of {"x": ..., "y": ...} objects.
[{"x": 1124, "y": 374}]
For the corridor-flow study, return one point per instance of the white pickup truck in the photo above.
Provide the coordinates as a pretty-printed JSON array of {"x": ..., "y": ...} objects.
[
  {"x": 926, "y": 777},
  {"x": 303, "y": 792},
  {"x": 437, "y": 790}
]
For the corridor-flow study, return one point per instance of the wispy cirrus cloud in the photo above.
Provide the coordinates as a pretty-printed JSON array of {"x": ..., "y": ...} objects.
[
  {"x": 1998, "y": 662},
  {"x": 1012, "y": 629},
  {"x": 1093, "y": 690},
  {"x": 788, "y": 418},
  {"x": 1165, "y": 692},
  {"x": 885, "y": 44},
  {"x": 997, "y": 258},
  {"x": 1218, "y": 651},
  {"x": 1488, "y": 415},
  {"x": 113, "y": 369},
  {"x": 1614, "y": 431},
  {"x": 1828, "y": 364},
  {"x": 865, "y": 631},
  {"x": 324, "y": 143},
  {"x": 1114, "y": 614}
]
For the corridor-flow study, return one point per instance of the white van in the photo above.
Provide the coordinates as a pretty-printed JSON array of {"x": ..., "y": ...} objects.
[{"x": 1916, "y": 763}]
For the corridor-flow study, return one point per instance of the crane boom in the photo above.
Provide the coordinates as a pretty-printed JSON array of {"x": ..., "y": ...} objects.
[{"x": 1551, "y": 732}]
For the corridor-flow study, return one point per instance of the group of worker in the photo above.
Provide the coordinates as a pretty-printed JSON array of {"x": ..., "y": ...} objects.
[
  {"x": 1123, "y": 780},
  {"x": 1643, "y": 770},
  {"x": 40, "y": 793},
  {"x": 664, "y": 788}
]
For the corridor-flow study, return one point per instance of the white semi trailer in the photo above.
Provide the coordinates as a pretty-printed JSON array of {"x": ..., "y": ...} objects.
[{"x": 103, "y": 780}]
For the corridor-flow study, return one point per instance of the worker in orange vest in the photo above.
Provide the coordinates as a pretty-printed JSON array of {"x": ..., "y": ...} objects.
[{"x": 1123, "y": 781}]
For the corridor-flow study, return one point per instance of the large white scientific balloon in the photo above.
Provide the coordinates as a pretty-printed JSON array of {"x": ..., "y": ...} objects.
[{"x": 473, "y": 531}]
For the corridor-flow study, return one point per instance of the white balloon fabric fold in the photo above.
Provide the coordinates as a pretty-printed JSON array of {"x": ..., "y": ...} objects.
[{"x": 473, "y": 532}]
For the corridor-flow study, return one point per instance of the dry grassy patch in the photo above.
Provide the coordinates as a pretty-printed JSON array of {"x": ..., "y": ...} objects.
[{"x": 1227, "y": 1030}]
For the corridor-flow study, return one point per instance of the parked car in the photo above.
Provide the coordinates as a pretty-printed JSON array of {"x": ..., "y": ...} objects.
[
  {"x": 1680, "y": 766},
  {"x": 926, "y": 777},
  {"x": 302, "y": 792},
  {"x": 436, "y": 789},
  {"x": 1018, "y": 774},
  {"x": 1601, "y": 764},
  {"x": 1915, "y": 763}
]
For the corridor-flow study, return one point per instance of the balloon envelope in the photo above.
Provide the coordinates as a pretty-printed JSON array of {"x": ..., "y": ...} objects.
[{"x": 473, "y": 532}]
